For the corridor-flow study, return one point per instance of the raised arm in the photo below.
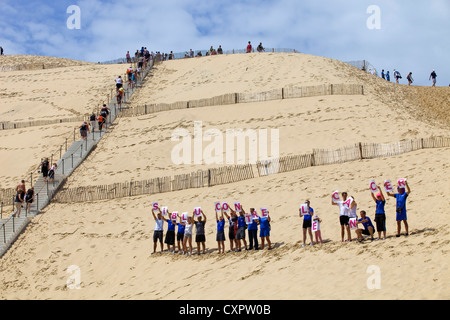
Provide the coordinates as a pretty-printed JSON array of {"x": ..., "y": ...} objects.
[
  {"x": 381, "y": 193},
  {"x": 408, "y": 190},
  {"x": 203, "y": 214}
]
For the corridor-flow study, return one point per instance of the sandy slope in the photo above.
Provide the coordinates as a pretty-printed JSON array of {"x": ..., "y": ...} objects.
[
  {"x": 111, "y": 241},
  {"x": 63, "y": 92}
]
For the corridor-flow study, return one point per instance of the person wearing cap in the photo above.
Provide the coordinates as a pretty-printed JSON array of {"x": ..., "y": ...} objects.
[
  {"x": 380, "y": 214},
  {"x": 307, "y": 222},
  {"x": 401, "y": 197}
]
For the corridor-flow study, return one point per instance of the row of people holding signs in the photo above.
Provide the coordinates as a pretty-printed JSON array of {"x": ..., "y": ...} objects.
[
  {"x": 238, "y": 220},
  {"x": 348, "y": 206}
]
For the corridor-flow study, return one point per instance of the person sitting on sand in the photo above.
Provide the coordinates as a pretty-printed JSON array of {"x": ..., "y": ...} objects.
[{"x": 368, "y": 227}]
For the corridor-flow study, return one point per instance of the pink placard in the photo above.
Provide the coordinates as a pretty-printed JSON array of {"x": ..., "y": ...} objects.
[
  {"x": 373, "y": 186},
  {"x": 388, "y": 186},
  {"x": 225, "y": 207},
  {"x": 304, "y": 209},
  {"x": 315, "y": 226},
  {"x": 264, "y": 212},
  {"x": 401, "y": 183},
  {"x": 335, "y": 196},
  {"x": 352, "y": 224}
]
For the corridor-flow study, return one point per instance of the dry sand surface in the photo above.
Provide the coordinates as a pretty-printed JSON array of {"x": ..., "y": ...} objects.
[
  {"x": 62, "y": 92},
  {"x": 111, "y": 241}
]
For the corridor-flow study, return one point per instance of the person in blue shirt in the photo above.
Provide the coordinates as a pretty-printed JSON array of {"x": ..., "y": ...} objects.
[
  {"x": 170, "y": 234},
  {"x": 220, "y": 238},
  {"x": 240, "y": 232},
  {"x": 401, "y": 197},
  {"x": 380, "y": 215},
  {"x": 307, "y": 219},
  {"x": 264, "y": 231},
  {"x": 253, "y": 231},
  {"x": 368, "y": 227},
  {"x": 180, "y": 236}
]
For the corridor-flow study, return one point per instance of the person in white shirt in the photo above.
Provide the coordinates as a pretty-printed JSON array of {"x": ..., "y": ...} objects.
[
  {"x": 158, "y": 231},
  {"x": 344, "y": 216}
]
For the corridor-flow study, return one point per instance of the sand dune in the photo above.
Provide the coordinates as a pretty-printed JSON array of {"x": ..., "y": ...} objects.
[
  {"x": 68, "y": 91},
  {"x": 111, "y": 241}
]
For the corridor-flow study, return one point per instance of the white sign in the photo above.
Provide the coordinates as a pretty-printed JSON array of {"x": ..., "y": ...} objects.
[
  {"x": 264, "y": 212},
  {"x": 237, "y": 207},
  {"x": 197, "y": 212},
  {"x": 184, "y": 217},
  {"x": 217, "y": 206},
  {"x": 155, "y": 206},
  {"x": 164, "y": 211},
  {"x": 388, "y": 186},
  {"x": 225, "y": 207},
  {"x": 248, "y": 218},
  {"x": 336, "y": 196},
  {"x": 401, "y": 183},
  {"x": 373, "y": 186},
  {"x": 174, "y": 215},
  {"x": 315, "y": 226},
  {"x": 304, "y": 209},
  {"x": 348, "y": 203},
  {"x": 352, "y": 224}
]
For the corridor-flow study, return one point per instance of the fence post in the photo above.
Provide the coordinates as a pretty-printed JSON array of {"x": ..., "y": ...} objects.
[{"x": 360, "y": 151}]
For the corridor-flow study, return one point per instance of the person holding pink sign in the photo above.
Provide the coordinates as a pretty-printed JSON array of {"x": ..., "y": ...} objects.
[
  {"x": 344, "y": 216},
  {"x": 380, "y": 215},
  {"x": 316, "y": 228},
  {"x": 264, "y": 231},
  {"x": 170, "y": 234},
  {"x": 187, "y": 239},
  {"x": 240, "y": 232},
  {"x": 306, "y": 212},
  {"x": 200, "y": 238},
  {"x": 220, "y": 238},
  {"x": 401, "y": 197},
  {"x": 253, "y": 230},
  {"x": 180, "y": 235},
  {"x": 158, "y": 231},
  {"x": 232, "y": 227}
]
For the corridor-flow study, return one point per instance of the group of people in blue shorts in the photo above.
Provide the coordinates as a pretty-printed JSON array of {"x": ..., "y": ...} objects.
[
  {"x": 240, "y": 223},
  {"x": 180, "y": 240}
]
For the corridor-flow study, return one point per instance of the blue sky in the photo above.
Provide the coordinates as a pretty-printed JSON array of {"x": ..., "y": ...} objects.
[{"x": 413, "y": 35}]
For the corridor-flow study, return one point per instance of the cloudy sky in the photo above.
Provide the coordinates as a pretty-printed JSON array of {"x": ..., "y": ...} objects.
[{"x": 409, "y": 35}]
